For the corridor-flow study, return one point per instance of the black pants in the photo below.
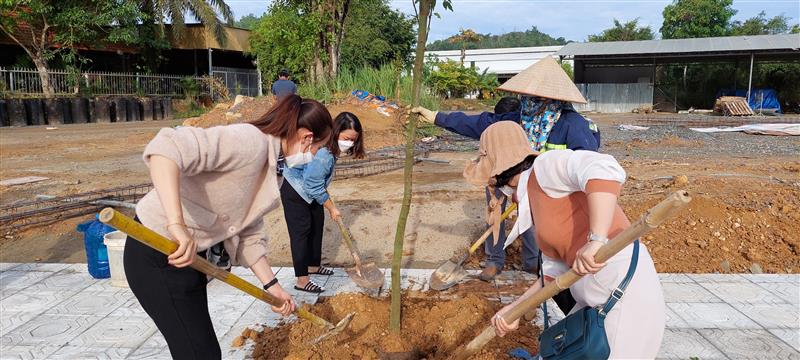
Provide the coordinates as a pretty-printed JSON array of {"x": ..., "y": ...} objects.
[
  {"x": 175, "y": 299},
  {"x": 305, "y": 223}
]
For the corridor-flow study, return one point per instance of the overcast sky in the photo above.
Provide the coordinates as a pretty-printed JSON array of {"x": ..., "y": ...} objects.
[{"x": 572, "y": 19}]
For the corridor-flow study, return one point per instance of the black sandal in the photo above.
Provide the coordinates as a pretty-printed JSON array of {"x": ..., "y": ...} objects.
[
  {"x": 310, "y": 287},
  {"x": 323, "y": 271}
]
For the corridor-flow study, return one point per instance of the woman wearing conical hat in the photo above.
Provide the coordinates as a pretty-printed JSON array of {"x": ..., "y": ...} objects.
[
  {"x": 545, "y": 113},
  {"x": 550, "y": 123}
]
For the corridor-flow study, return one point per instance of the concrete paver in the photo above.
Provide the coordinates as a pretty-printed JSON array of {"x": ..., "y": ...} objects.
[{"x": 57, "y": 311}]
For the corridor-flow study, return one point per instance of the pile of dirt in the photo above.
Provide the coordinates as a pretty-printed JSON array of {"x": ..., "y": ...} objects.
[
  {"x": 244, "y": 109},
  {"x": 431, "y": 330},
  {"x": 381, "y": 129},
  {"x": 729, "y": 227}
]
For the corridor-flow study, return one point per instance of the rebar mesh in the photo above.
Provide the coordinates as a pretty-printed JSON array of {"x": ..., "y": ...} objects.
[{"x": 26, "y": 214}]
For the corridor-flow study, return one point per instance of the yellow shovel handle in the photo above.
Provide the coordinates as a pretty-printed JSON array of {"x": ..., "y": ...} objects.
[{"x": 158, "y": 242}]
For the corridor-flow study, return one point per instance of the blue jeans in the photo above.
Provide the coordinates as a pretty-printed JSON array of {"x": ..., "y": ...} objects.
[{"x": 496, "y": 255}]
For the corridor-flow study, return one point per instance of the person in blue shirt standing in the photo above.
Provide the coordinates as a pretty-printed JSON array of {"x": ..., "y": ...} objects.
[
  {"x": 283, "y": 86},
  {"x": 551, "y": 123},
  {"x": 305, "y": 193}
]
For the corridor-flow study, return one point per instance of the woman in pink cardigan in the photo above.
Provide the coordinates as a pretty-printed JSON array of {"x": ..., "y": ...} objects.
[{"x": 210, "y": 186}]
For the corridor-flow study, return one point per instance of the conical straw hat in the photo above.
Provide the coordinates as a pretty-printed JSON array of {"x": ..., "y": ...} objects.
[{"x": 546, "y": 79}]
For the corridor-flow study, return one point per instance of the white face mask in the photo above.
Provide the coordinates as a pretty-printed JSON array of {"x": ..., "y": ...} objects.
[
  {"x": 299, "y": 159},
  {"x": 345, "y": 145},
  {"x": 507, "y": 190}
]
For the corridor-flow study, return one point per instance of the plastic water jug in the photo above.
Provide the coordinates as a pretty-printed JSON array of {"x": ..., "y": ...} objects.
[{"x": 96, "y": 252}]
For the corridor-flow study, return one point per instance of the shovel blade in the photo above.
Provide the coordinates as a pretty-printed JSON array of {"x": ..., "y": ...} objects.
[
  {"x": 343, "y": 324},
  {"x": 370, "y": 276},
  {"x": 447, "y": 275}
]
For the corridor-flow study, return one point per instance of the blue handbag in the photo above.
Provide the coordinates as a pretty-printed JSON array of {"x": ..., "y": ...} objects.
[{"x": 582, "y": 335}]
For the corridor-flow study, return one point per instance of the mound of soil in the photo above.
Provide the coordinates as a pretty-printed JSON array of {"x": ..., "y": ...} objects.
[
  {"x": 432, "y": 328},
  {"x": 727, "y": 230},
  {"x": 379, "y": 130},
  {"x": 248, "y": 110}
]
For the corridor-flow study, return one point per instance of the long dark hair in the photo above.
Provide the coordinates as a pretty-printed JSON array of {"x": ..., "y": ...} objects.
[
  {"x": 509, "y": 173},
  {"x": 291, "y": 113},
  {"x": 347, "y": 121}
]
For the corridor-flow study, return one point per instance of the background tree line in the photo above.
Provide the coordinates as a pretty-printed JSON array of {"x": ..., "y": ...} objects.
[
  {"x": 293, "y": 35},
  {"x": 530, "y": 37}
]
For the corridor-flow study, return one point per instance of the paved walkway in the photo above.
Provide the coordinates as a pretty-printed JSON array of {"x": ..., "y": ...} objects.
[{"x": 57, "y": 311}]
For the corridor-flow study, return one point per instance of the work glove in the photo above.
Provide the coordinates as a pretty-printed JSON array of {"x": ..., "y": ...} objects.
[{"x": 427, "y": 116}]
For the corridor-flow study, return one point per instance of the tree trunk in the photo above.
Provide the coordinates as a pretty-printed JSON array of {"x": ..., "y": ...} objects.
[
  {"x": 339, "y": 19},
  {"x": 419, "y": 61},
  {"x": 463, "y": 55},
  {"x": 44, "y": 76},
  {"x": 333, "y": 64},
  {"x": 317, "y": 69}
]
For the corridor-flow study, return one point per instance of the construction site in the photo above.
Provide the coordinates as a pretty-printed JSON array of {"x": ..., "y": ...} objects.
[
  {"x": 365, "y": 179},
  {"x": 743, "y": 219}
]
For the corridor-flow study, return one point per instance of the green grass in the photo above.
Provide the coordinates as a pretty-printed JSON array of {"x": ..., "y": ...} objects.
[{"x": 377, "y": 81}]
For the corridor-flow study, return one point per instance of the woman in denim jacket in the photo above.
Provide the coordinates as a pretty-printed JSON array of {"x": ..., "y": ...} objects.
[{"x": 305, "y": 193}]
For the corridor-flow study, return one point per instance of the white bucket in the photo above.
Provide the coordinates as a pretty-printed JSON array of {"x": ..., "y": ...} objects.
[{"x": 115, "y": 243}]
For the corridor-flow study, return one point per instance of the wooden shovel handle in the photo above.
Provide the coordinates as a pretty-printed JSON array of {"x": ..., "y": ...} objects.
[
  {"x": 650, "y": 220},
  {"x": 165, "y": 246},
  {"x": 488, "y": 231},
  {"x": 348, "y": 239}
]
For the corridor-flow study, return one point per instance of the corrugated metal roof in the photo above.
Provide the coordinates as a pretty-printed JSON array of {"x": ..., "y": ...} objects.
[{"x": 675, "y": 46}]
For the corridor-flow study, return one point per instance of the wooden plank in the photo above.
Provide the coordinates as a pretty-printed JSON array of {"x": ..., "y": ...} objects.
[{"x": 22, "y": 180}]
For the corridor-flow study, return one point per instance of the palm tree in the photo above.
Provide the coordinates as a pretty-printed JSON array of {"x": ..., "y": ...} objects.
[
  {"x": 156, "y": 12},
  {"x": 208, "y": 12}
]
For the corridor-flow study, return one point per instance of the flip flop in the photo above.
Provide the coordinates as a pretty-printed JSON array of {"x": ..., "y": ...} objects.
[
  {"x": 310, "y": 287},
  {"x": 323, "y": 271}
]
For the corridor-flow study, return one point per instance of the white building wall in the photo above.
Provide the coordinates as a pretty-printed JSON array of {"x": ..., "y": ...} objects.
[{"x": 502, "y": 61}]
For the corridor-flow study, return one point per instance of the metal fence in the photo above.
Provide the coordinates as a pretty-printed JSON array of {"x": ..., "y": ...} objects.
[
  {"x": 20, "y": 81},
  {"x": 615, "y": 98},
  {"x": 239, "y": 81}
]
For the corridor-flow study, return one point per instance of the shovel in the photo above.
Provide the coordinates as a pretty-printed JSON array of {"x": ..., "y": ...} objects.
[
  {"x": 367, "y": 275},
  {"x": 452, "y": 272},
  {"x": 154, "y": 240}
]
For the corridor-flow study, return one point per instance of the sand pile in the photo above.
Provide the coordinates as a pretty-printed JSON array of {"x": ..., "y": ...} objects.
[{"x": 431, "y": 330}]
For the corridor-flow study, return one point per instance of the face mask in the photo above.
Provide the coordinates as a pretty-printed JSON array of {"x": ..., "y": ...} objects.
[
  {"x": 345, "y": 145},
  {"x": 507, "y": 190},
  {"x": 299, "y": 159}
]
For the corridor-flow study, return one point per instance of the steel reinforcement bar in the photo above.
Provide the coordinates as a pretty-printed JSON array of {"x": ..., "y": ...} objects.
[{"x": 22, "y": 215}]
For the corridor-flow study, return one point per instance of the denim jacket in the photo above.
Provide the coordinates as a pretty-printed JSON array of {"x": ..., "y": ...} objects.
[{"x": 311, "y": 180}]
